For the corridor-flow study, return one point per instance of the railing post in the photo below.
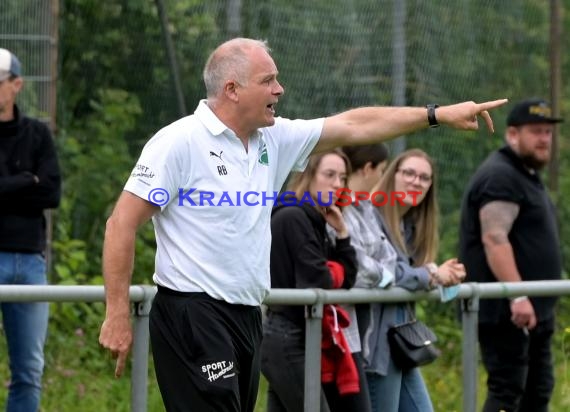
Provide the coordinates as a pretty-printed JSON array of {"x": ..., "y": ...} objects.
[
  {"x": 313, "y": 333},
  {"x": 469, "y": 310},
  {"x": 139, "y": 374}
]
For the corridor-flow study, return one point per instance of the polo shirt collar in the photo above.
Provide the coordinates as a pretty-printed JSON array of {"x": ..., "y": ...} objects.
[
  {"x": 209, "y": 119},
  {"x": 214, "y": 125}
]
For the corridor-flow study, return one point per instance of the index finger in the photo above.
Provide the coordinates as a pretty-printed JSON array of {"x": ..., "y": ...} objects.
[
  {"x": 492, "y": 104},
  {"x": 120, "y": 365}
]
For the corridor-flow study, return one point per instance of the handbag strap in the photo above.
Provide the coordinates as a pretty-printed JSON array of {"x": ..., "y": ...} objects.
[{"x": 410, "y": 311}]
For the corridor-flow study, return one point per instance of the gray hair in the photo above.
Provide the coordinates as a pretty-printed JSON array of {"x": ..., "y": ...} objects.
[{"x": 230, "y": 60}]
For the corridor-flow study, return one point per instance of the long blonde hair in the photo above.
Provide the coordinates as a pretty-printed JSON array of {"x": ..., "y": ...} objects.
[{"x": 425, "y": 243}]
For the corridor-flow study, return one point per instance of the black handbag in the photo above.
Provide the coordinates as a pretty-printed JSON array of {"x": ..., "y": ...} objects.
[{"x": 412, "y": 344}]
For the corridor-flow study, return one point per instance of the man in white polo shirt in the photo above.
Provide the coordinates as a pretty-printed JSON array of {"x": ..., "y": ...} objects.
[{"x": 208, "y": 181}]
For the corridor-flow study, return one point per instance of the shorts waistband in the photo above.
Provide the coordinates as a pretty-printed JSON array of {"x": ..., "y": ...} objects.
[{"x": 171, "y": 292}]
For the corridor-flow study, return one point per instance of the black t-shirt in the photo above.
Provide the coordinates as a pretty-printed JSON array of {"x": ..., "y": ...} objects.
[{"x": 533, "y": 236}]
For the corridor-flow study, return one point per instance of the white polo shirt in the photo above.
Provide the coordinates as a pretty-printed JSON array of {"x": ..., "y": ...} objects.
[{"x": 211, "y": 235}]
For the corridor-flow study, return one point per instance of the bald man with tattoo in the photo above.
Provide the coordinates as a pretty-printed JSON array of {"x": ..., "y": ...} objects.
[{"x": 509, "y": 233}]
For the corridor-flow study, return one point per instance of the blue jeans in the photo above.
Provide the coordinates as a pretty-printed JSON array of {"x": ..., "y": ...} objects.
[
  {"x": 398, "y": 391},
  {"x": 25, "y": 325}
]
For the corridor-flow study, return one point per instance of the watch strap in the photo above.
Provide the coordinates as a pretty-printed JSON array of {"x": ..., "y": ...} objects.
[{"x": 432, "y": 120}]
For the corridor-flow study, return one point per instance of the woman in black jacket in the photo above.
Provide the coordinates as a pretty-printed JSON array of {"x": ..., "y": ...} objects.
[{"x": 303, "y": 256}]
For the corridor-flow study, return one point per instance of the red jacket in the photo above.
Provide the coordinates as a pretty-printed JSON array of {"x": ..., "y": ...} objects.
[{"x": 337, "y": 363}]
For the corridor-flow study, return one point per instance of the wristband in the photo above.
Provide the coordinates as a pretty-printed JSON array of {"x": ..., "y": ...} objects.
[
  {"x": 432, "y": 120},
  {"x": 519, "y": 299}
]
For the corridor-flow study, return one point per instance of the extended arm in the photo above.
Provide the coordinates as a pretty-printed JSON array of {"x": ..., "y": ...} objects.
[
  {"x": 118, "y": 261},
  {"x": 374, "y": 124}
]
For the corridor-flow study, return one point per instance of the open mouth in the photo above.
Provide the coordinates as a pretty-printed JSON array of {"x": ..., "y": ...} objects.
[{"x": 271, "y": 108}]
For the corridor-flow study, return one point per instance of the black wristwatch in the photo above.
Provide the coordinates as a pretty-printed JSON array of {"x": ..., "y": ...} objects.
[{"x": 431, "y": 115}]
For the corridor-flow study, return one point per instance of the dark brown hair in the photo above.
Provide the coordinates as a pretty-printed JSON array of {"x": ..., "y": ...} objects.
[
  {"x": 368, "y": 153},
  {"x": 300, "y": 182}
]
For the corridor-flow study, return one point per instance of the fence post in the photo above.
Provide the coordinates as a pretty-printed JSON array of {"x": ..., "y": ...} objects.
[
  {"x": 470, "y": 309},
  {"x": 139, "y": 374},
  {"x": 314, "y": 317}
]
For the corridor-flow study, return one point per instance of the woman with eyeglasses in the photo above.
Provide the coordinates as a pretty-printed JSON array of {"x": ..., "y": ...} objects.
[
  {"x": 412, "y": 228},
  {"x": 304, "y": 255}
]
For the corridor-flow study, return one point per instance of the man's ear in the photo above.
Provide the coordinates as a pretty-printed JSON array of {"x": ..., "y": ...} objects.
[
  {"x": 512, "y": 136},
  {"x": 367, "y": 169},
  {"x": 17, "y": 84},
  {"x": 230, "y": 90}
]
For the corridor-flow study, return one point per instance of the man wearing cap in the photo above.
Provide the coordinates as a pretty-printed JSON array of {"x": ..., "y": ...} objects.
[
  {"x": 29, "y": 183},
  {"x": 509, "y": 233}
]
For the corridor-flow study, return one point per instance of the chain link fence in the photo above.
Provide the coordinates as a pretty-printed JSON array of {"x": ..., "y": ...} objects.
[
  {"x": 332, "y": 55},
  {"x": 27, "y": 28}
]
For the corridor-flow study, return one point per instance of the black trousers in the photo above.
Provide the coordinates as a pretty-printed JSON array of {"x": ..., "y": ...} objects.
[
  {"x": 519, "y": 366},
  {"x": 206, "y": 352},
  {"x": 283, "y": 365}
]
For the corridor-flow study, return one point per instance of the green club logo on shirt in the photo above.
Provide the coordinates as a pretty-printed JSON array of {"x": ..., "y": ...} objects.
[{"x": 262, "y": 156}]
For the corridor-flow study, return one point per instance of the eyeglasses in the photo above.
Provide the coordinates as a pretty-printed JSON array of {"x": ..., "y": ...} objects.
[
  {"x": 331, "y": 175},
  {"x": 410, "y": 175}
]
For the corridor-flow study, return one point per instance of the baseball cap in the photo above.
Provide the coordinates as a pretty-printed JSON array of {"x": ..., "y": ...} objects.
[
  {"x": 531, "y": 111},
  {"x": 9, "y": 65}
]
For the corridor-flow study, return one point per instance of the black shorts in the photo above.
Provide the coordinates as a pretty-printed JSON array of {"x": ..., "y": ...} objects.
[{"x": 206, "y": 352}]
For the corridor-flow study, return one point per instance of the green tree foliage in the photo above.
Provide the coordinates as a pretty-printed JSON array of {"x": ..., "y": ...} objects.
[
  {"x": 477, "y": 50},
  {"x": 101, "y": 47},
  {"x": 96, "y": 163}
]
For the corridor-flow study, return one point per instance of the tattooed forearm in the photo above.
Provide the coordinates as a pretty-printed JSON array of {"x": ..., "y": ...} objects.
[{"x": 497, "y": 220}]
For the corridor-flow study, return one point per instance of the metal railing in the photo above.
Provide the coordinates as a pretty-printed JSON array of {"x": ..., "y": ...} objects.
[
  {"x": 140, "y": 295},
  {"x": 470, "y": 294}
]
